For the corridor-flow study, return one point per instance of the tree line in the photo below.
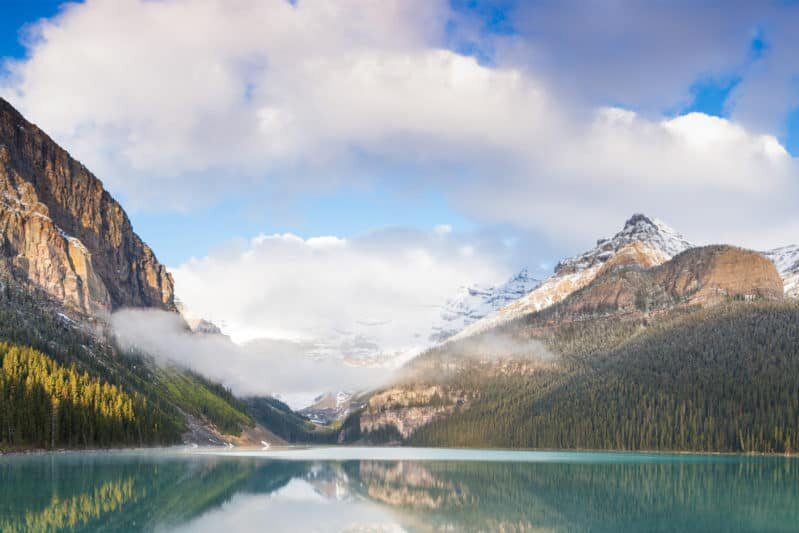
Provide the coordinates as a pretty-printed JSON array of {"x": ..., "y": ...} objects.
[{"x": 46, "y": 405}]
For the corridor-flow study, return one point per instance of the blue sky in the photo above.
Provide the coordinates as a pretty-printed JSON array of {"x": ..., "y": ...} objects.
[{"x": 16, "y": 14}]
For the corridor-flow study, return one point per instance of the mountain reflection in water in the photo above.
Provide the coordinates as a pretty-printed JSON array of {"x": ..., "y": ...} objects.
[{"x": 178, "y": 491}]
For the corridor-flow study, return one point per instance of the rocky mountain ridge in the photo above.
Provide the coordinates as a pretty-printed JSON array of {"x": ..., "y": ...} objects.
[
  {"x": 63, "y": 233},
  {"x": 655, "y": 242},
  {"x": 703, "y": 276},
  {"x": 628, "y": 296},
  {"x": 643, "y": 240}
]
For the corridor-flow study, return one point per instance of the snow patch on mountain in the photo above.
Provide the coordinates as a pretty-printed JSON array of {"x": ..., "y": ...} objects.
[
  {"x": 473, "y": 303},
  {"x": 786, "y": 259},
  {"x": 196, "y": 323},
  {"x": 329, "y": 407}
]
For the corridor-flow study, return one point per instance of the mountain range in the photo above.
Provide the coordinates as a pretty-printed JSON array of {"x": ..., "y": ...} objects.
[
  {"x": 644, "y": 341},
  {"x": 656, "y": 243},
  {"x": 602, "y": 353}
]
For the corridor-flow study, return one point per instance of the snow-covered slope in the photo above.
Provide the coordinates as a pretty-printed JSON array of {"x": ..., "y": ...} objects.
[
  {"x": 473, "y": 303},
  {"x": 646, "y": 241},
  {"x": 329, "y": 407},
  {"x": 787, "y": 261}
]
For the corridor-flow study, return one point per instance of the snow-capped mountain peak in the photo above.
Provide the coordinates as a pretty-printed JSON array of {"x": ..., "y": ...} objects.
[
  {"x": 653, "y": 233},
  {"x": 475, "y": 302},
  {"x": 643, "y": 240}
]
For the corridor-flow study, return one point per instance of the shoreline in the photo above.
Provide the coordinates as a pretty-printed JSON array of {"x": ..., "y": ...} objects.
[{"x": 222, "y": 450}]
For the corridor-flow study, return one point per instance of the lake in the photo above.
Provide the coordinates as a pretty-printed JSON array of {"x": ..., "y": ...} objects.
[{"x": 395, "y": 489}]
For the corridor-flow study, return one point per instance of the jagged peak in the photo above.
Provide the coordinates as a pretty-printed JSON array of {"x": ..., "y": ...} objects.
[
  {"x": 640, "y": 218},
  {"x": 650, "y": 231},
  {"x": 640, "y": 223}
]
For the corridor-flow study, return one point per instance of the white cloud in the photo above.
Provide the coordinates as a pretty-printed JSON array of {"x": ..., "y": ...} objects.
[
  {"x": 179, "y": 101},
  {"x": 179, "y": 92},
  {"x": 359, "y": 298},
  {"x": 710, "y": 177},
  {"x": 268, "y": 367},
  {"x": 649, "y": 55}
]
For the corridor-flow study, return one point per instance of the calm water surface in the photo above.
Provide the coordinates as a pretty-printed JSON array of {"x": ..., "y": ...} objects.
[{"x": 396, "y": 489}]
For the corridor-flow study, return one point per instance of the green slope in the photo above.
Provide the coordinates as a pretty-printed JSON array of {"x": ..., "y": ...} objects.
[{"x": 167, "y": 394}]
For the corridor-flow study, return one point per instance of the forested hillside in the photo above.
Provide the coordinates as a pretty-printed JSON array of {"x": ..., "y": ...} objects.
[
  {"x": 68, "y": 259},
  {"x": 723, "y": 379},
  {"x": 46, "y": 405},
  {"x": 160, "y": 396},
  {"x": 287, "y": 424}
]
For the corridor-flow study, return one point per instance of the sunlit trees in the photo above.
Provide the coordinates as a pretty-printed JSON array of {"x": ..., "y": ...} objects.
[{"x": 46, "y": 405}]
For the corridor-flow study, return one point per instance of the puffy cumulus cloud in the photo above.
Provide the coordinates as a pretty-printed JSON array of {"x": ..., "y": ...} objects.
[
  {"x": 192, "y": 92},
  {"x": 710, "y": 177},
  {"x": 175, "y": 101},
  {"x": 367, "y": 300}
]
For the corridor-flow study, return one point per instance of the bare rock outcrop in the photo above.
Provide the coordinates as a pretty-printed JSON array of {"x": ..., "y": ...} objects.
[
  {"x": 62, "y": 232},
  {"x": 408, "y": 408},
  {"x": 700, "y": 276}
]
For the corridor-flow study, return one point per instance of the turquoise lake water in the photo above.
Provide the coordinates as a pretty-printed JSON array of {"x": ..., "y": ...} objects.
[{"x": 396, "y": 489}]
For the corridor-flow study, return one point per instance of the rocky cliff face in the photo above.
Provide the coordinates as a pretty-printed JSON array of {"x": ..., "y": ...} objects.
[
  {"x": 329, "y": 407},
  {"x": 710, "y": 274},
  {"x": 410, "y": 407},
  {"x": 62, "y": 232}
]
